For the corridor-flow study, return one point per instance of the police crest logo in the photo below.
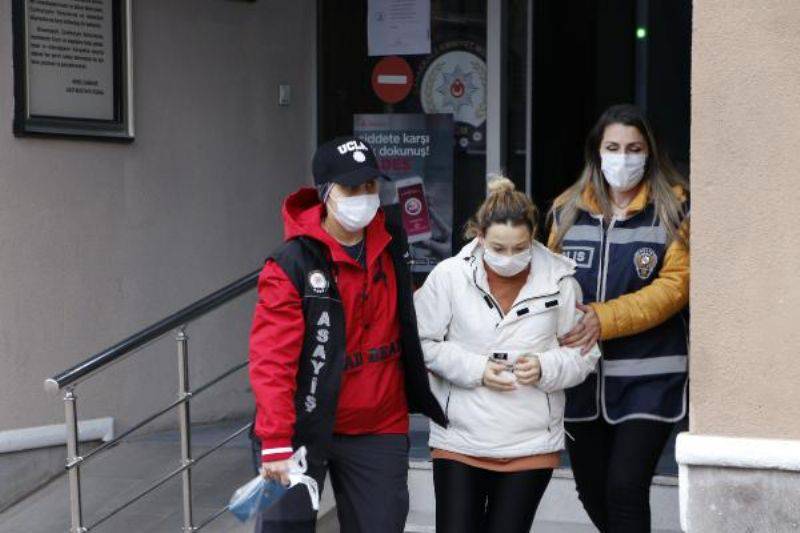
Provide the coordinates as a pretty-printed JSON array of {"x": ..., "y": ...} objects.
[
  {"x": 453, "y": 81},
  {"x": 318, "y": 282},
  {"x": 645, "y": 260}
]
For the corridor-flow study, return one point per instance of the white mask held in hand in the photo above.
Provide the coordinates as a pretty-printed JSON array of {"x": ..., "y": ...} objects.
[
  {"x": 507, "y": 265},
  {"x": 356, "y": 212},
  {"x": 623, "y": 172}
]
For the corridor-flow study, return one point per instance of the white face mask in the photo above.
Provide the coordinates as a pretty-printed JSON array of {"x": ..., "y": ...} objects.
[
  {"x": 507, "y": 265},
  {"x": 356, "y": 212},
  {"x": 623, "y": 172}
]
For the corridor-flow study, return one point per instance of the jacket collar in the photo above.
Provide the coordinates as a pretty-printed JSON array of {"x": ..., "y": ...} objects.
[
  {"x": 590, "y": 203},
  {"x": 303, "y": 214},
  {"x": 547, "y": 270}
]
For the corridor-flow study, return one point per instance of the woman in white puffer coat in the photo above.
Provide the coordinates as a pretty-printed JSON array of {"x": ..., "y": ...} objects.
[{"x": 489, "y": 320}]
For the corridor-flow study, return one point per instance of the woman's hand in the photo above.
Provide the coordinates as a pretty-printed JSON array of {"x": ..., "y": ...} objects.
[
  {"x": 277, "y": 470},
  {"x": 585, "y": 334},
  {"x": 495, "y": 381},
  {"x": 528, "y": 370}
]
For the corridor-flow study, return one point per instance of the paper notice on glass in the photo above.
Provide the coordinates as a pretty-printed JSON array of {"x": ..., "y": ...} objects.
[
  {"x": 416, "y": 151},
  {"x": 399, "y": 27}
]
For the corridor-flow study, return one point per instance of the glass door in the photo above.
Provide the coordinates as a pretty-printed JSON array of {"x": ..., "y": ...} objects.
[
  {"x": 581, "y": 58},
  {"x": 450, "y": 79}
]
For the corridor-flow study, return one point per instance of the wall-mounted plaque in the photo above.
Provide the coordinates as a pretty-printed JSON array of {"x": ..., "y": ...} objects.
[{"x": 72, "y": 68}]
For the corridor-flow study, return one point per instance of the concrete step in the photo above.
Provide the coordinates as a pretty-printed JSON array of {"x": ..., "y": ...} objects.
[
  {"x": 423, "y": 523},
  {"x": 560, "y": 509},
  {"x": 133, "y": 466}
]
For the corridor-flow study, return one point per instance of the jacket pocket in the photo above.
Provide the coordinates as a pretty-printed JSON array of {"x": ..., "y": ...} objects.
[
  {"x": 556, "y": 404},
  {"x": 447, "y": 401},
  {"x": 541, "y": 313},
  {"x": 441, "y": 390},
  {"x": 463, "y": 410},
  {"x": 549, "y": 412}
]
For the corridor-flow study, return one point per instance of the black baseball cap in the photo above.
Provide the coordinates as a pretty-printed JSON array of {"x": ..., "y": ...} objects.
[{"x": 347, "y": 161}]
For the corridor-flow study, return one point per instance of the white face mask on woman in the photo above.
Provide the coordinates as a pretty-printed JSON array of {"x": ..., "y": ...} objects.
[
  {"x": 508, "y": 265},
  {"x": 355, "y": 213},
  {"x": 623, "y": 172}
]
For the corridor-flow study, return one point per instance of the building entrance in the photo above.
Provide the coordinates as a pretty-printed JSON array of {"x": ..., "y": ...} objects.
[{"x": 522, "y": 82}]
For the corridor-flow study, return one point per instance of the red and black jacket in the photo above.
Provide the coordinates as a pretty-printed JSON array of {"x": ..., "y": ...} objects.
[{"x": 334, "y": 347}]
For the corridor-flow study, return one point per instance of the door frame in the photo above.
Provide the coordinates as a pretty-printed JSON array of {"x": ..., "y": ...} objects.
[{"x": 497, "y": 37}]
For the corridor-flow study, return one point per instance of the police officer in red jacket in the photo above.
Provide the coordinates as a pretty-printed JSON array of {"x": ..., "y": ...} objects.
[{"x": 335, "y": 359}]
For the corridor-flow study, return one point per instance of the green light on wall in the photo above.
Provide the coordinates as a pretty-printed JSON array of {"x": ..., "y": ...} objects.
[{"x": 641, "y": 33}]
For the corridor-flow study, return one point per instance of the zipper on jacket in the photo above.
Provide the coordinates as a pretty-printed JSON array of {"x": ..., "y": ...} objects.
[
  {"x": 447, "y": 403},
  {"x": 487, "y": 295},
  {"x": 549, "y": 412},
  {"x": 602, "y": 229},
  {"x": 605, "y": 249},
  {"x": 605, "y": 252}
]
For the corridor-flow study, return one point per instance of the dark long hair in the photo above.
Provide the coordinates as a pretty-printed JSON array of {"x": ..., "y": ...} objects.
[{"x": 659, "y": 173}]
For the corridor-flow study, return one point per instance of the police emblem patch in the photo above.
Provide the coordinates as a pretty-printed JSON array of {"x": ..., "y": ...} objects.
[
  {"x": 318, "y": 282},
  {"x": 645, "y": 260}
]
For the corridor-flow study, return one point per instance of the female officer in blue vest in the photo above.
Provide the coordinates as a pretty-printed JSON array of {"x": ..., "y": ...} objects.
[{"x": 625, "y": 223}]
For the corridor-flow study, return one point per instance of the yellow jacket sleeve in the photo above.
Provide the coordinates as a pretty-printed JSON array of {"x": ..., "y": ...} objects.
[{"x": 652, "y": 305}]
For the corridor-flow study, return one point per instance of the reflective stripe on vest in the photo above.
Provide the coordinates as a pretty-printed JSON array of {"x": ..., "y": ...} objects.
[
  {"x": 583, "y": 233},
  {"x": 642, "y": 375},
  {"x": 669, "y": 364},
  {"x": 646, "y": 234}
]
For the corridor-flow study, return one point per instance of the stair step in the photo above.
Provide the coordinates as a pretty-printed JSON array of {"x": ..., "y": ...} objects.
[
  {"x": 538, "y": 527},
  {"x": 560, "y": 509}
]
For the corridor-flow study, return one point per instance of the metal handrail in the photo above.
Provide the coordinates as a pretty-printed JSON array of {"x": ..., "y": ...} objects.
[
  {"x": 117, "y": 352},
  {"x": 69, "y": 379},
  {"x": 162, "y": 480},
  {"x": 119, "y": 438}
]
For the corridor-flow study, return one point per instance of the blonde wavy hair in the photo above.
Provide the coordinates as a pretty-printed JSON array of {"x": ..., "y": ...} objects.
[{"x": 660, "y": 175}]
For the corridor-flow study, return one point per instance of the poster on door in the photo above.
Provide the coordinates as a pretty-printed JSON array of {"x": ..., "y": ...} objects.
[{"x": 416, "y": 151}]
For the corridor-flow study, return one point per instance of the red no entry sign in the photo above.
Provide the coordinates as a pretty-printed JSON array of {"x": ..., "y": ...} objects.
[{"x": 392, "y": 79}]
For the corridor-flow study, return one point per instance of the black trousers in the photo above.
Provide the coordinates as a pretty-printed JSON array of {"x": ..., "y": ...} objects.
[
  {"x": 470, "y": 499},
  {"x": 369, "y": 475},
  {"x": 614, "y": 467}
]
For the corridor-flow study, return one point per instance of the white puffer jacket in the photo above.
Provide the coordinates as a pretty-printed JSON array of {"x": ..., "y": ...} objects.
[{"x": 461, "y": 325}]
